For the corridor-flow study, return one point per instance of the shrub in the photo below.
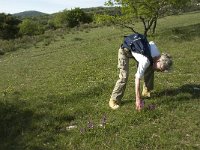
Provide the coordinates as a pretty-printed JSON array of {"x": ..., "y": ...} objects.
[
  {"x": 28, "y": 27},
  {"x": 70, "y": 19},
  {"x": 8, "y": 26},
  {"x": 7, "y": 46},
  {"x": 77, "y": 16}
]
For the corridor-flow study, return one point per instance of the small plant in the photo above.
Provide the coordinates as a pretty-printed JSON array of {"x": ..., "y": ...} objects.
[
  {"x": 7, "y": 46},
  {"x": 47, "y": 42},
  {"x": 92, "y": 126}
]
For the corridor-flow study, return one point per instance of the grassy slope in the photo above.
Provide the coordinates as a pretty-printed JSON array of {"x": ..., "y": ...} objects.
[{"x": 45, "y": 89}]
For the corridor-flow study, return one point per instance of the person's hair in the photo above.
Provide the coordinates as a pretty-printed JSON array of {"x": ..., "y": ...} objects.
[{"x": 166, "y": 61}]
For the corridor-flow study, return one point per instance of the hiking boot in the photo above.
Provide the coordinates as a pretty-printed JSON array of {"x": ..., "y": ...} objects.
[
  {"x": 113, "y": 104},
  {"x": 146, "y": 93}
]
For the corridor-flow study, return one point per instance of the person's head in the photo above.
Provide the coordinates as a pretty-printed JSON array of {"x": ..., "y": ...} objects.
[{"x": 164, "y": 63}]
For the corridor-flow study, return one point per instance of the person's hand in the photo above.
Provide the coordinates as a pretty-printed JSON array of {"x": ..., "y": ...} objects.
[{"x": 139, "y": 104}]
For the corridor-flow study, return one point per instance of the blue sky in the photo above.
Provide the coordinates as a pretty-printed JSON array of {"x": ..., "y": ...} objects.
[{"x": 46, "y": 6}]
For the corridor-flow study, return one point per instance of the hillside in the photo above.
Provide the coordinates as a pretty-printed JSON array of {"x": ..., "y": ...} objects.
[
  {"x": 29, "y": 14},
  {"x": 54, "y": 94},
  {"x": 92, "y": 10}
]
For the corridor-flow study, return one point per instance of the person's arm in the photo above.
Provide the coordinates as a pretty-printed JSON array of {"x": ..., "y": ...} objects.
[
  {"x": 137, "y": 94},
  {"x": 143, "y": 64}
]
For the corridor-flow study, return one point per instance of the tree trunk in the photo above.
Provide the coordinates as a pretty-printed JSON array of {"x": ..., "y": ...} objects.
[
  {"x": 154, "y": 26},
  {"x": 145, "y": 32},
  {"x": 145, "y": 26},
  {"x": 149, "y": 24}
]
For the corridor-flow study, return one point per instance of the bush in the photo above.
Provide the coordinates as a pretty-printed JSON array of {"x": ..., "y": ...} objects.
[
  {"x": 8, "y": 26},
  {"x": 77, "y": 16},
  {"x": 28, "y": 27},
  {"x": 7, "y": 46},
  {"x": 70, "y": 19}
]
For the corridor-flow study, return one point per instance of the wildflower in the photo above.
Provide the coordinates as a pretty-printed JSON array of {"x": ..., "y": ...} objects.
[{"x": 90, "y": 125}]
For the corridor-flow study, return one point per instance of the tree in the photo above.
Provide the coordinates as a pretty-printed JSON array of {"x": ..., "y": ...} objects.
[
  {"x": 77, "y": 16},
  {"x": 59, "y": 19},
  {"x": 70, "y": 18},
  {"x": 8, "y": 26},
  {"x": 146, "y": 11},
  {"x": 29, "y": 27}
]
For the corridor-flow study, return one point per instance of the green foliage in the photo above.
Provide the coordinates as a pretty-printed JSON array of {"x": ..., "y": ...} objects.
[
  {"x": 7, "y": 46},
  {"x": 70, "y": 18},
  {"x": 194, "y": 6},
  {"x": 51, "y": 24},
  {"x": 103, "y": 19},
  {"x": 29, "y": 27},
  {"x": 26, "y": 42},
  {"x": 59, "y": 19},
  {"x": 8, "y": 26},
  {"x": 148, "y": 11},
  {"x": 77, "y": 16},
  {"x": 103, "y": 10}
]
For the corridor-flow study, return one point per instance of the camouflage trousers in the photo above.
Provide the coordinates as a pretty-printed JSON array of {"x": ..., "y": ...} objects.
[{"x": 123, "y": 65}]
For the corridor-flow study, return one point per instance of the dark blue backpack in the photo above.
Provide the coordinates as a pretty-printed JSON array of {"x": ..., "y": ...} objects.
[{"x": 138, "y": 43}]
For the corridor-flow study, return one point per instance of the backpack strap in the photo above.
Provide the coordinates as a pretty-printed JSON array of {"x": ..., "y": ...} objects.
[{"x": 138, "y": 43}]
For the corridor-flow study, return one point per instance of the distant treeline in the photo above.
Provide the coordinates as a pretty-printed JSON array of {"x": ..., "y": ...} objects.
[
  {"x": 14, "y": 26},
  {"x": 17, "y": 25}
]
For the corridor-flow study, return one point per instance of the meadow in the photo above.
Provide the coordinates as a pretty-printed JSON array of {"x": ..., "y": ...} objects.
[{"x": 55, "y": 96}]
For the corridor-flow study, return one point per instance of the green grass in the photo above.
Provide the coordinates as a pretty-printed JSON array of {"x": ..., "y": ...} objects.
[{"x": 46, "y": 88}]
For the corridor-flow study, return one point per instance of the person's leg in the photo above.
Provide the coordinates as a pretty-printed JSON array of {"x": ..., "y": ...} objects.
[
  {"x": 148, "y": 82},
  {"x": 120, "y": 86}
]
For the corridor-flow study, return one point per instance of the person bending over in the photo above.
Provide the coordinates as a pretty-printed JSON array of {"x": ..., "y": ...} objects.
[{"x": 148, "y": 60}]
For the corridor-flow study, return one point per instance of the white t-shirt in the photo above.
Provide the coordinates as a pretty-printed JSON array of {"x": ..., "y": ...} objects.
[{"x": 143, "y": 62}]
